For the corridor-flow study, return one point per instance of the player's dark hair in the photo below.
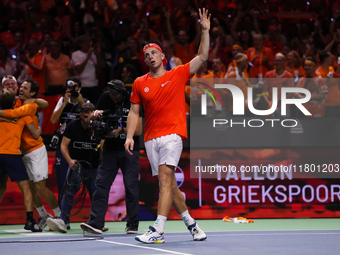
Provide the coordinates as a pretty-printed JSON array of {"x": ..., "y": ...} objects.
[
  {"x": 34, "y": 87},
  {"x": 7, "y": 98}
]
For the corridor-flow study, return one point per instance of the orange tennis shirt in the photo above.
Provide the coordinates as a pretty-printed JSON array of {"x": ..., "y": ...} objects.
[
  {"x": 11, "y": 136},
  {"x": 28, "y": 143},
  {"x": 163, "y": 101}
]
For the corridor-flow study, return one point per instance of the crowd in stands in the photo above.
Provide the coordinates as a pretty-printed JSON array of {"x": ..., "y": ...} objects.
[{"x": 99, "y": 40}]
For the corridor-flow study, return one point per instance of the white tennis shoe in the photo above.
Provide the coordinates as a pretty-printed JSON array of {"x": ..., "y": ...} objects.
[
  {"x": 196, "y": 232},
  {"x": 151, "y": 236},
  {"x": 56, "y": 225}
]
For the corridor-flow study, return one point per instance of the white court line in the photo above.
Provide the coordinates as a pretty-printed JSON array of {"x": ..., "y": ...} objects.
[
  {"x": 240, "y": 232},
  {"x": 276, "y": 234},
  {"x": 144, "y": 247},
  {"x": 221, "y": 234}
]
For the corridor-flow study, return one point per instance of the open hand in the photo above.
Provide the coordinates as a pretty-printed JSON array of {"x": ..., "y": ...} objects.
[{"x": 205, "y": 19}]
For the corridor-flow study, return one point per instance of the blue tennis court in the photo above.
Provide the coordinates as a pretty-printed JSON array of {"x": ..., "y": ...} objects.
[{"x": 264, "y": 236}]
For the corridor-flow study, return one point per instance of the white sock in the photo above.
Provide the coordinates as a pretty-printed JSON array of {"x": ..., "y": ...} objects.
[
  {"x": 42, "y": 211},
  {"x": 188, "y": 220},
  {"x": 160, "y": 223},
  {"x": 57, "y": 212}
]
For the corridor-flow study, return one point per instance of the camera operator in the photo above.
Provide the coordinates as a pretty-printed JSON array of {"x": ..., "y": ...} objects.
[
  {"x": 117, "y": 101},
  {"x": 66, "y": 110},
  {"x": 79, "y": 150}
]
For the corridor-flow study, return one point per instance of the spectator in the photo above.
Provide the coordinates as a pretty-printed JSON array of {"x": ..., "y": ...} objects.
[
  {"x": 63, "y": 19},
  {"x": 168, "y": 49},
  {"x": 274, "y": 40},
  {"x": 317, "y": 87},
  {"x": 296, "y": 45},
  {"x": 45, "y": 43},
  {"x": 128, "y": 76},
  {"x": 218, "y": 69},
  {"x": 183, "y": 49},
  {"x": 20, "y": 45},
  {"x": 238, "y": 76},
  {"x": 260, "y": 57},
  {"x": 129, "y": 55},
  {"x": 7, "y": 63},
  {"x": 310, "y": 51},
  {"x": 220, "y": 49},
  {"x": 36, "y": 64},
  {"x": 274, "y": 21},
  {"x": 144, "y": 34},
  {"x": 277, "y": 78},
  {"x": 294, "y": 64},
  {"x": 58, "y": 68},
  {"x": 7, "y": 37},
  {"x": 46, "y": 26},
  {"x": 85, "y": 63},
  {"x": 326, "y": 70},
  {"x": 285, "y": 50},
  {"x": 234, "y": 50},
  {"x": 246, "y": 40}
]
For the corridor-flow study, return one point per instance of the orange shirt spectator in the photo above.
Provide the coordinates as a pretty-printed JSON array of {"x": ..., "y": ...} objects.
[
  {"x": 283, "y": 80},
  {"x": 333, "y": 96},
  {"x": 275, "y": 47},
  {"x": 186, "y": 54},
  {"x": 294, "y": 64},
  {"x": 39, "y": 76},
  {"x": 315, "y": 86},
  {"x": 260, "y": 61},
  {"x": 296, "y": 70},
  {"x": 57, "y": 69}
]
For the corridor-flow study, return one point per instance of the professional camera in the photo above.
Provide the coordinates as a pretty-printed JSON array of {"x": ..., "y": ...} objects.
[
  {"x": 74, "y": 93},
  {"x": 106, "y": 124}
]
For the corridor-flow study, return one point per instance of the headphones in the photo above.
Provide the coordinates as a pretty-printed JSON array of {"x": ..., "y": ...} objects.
[{"x": 121, "y": 90}]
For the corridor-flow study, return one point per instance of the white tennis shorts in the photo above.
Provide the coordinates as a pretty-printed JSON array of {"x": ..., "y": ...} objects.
[
  {"x": 36, "y": 163},
  {"x": 164, "y": 150}
]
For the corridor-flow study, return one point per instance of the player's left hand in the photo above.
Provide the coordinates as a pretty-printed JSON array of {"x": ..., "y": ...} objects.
[
  {"x": 129, "y": 143},
  {"x": 205, "y": 19}
]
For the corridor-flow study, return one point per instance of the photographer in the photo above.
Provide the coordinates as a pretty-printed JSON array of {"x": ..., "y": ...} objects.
[
  {"x": 82, "y": 154},
  {"x": 117, "y": 101},
  {"x": 66, "y": 110}
]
